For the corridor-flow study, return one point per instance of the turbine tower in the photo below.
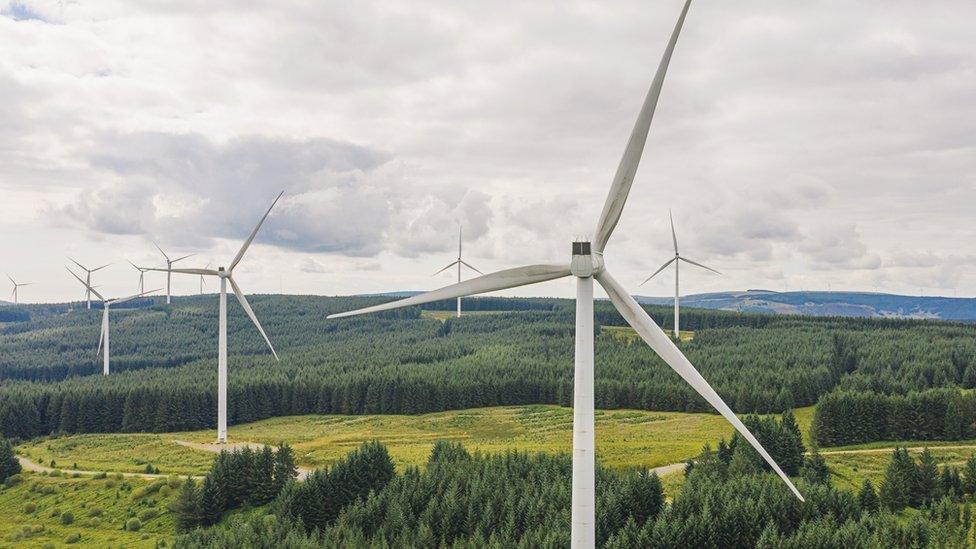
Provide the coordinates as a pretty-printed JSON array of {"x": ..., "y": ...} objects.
[
  {"x": 202, "y": 283},
  {"x": 17, "y": 285},
  {"x": 142, "y": 276},
  {"x": 587, "y": 264},
  {"x": 169, "y": 269},
  {"x": 458, "y": 262},
  {"x": 676, "y": 260},
  {"x": 225, "y": 276},
  {"x": 88, "y": 280},
  {"x": 103, "y": 337}
]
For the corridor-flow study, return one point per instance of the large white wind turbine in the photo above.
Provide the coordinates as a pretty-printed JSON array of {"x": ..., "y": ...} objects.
[
  {"x": 677, "y": 259},
  {"x": 458, "y": 262},
  {"x": 169, "y": 269},
  {"x": 226, "y": 275},
  {"x": 17, "y": 285},
  {"x": 588, "y": 263},
  {"x": 88, "y": 280},
  {"x": 103, "y": 337}
]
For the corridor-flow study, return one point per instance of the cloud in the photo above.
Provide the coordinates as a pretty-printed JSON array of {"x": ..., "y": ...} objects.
[
  {"x": 30, "y": 11},
  {"x": 838, "y": 247}
]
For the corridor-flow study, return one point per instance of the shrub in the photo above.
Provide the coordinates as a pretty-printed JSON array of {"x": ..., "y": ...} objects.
[
  {"x": 99, "y": 476},
  {"x": 73, "y": 538},
  {"x": 110, "y": 483},
  {"x": 13, "y": 480},
  {"x": 119, "y": 476},
  {"x": 95, "y": 512},
  {"x": 30, "y": 508},
  {"x": 94, "y": 522},
  {"x": 147, "y": 515},
  {"x": 133, "y": 525},
  {"x": 174, "y": 482},
  {"x": 55, "y": 513},
  {"x": 37, "y": 528},
  {"x": 67, "y": 518},
  {"x": 48, "y": 545},
  {"x": 165, "y": 491}
]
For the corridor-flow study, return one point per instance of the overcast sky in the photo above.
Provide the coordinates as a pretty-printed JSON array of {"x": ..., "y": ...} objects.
[{"x": 801, "y": 145}]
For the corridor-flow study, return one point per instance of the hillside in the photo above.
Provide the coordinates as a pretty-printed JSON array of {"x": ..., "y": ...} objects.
[{"x": 848, "y": 304}]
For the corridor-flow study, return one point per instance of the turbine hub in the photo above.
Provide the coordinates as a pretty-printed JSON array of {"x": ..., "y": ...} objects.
[
  {"x": 585, "y": 263},
  {"x": 223, "y": 273}
]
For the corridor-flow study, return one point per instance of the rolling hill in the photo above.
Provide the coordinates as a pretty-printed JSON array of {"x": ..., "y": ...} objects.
[{"x": 852, "y": 304}]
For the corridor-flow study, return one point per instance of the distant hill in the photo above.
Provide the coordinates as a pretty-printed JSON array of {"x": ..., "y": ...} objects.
[{"x": 855, "y": 304}]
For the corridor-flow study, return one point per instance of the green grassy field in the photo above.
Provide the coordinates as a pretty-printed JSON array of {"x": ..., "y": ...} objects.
[
  {"x": 36, "y": 512},
  {"x": 628, "y": 335},
  {"x": 625, "y": 438},
  {"x": 444, "y": 315}
]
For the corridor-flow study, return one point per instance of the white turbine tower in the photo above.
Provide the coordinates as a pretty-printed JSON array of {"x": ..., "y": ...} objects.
[
  {"x": 225, "y": 277},
  {"x": 142, "y": 276},
  {"x": 17, "y": 285},
  {"x": 588, "y": 263},
  {"x": 676, "y": 260},
  {"x": 458, "y": 262},
  {"x": 88, "y": 280},
  {"x": 202, "y": 283},
  {"x": 103, "y": 337},
  {"x": 169, "y": 269}
]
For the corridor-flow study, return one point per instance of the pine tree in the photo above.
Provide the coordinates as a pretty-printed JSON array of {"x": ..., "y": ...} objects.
[
  {"x": 264, "y": 485},
  {"x": 927, "y": 487},
  {"x": 867, "y": 498},
  {"x": 211, "y": 501},
  {"x": 791, "y": 447},
  {"x": 815, "y": 469},
  {"x": 9, "y": 465},
  {"x": 899, "y": 481},
  {"x": 284, "y": 467},
  {"x": 186, "y": 508},
  {"x": 969, "y": 476}
]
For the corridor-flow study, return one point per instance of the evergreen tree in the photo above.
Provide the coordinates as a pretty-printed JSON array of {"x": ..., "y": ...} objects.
[
  {"x": 815, "y": 469},
  {"x": 186, "y": 508},
  {"x": 899, "y": 481},
  {"x": 284, "y": 467},
  {"x": 969, "y": 476},
  {"x": 928, "y": 489},
  {"x": 264, "y": 484},
  {"x": 867, "y": 498},
  {"x": 9, "y": 465},
  {"x": 211, "y": 502}
]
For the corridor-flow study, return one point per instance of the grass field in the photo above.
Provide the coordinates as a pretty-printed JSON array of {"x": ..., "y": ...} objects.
[
  {"x": 36, "y": 512},
  {"x": 628, "y": 335},
  {"x": 625, "y": 438},
  {"x": 444, "y": 315}
]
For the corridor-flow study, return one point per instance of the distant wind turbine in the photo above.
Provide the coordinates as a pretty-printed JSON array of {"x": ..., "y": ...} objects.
[
  {"x": 103, "y": 337},
  {"x": 676, "y": 260},
  {"x": 169, "y": 269},
  {"x": 202, "y": 283},
  {"x": 458, "y": 262},
  {"x": 586, "y": 265},
  {"x": 225, "y": 277},
  {"x": 88, "y": 279},
  {"x": 17, "y": 285},
  {"x": 142, "y": 276}
]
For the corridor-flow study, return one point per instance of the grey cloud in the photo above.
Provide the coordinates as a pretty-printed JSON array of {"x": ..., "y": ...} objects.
[{"x": 838, "y": 247}]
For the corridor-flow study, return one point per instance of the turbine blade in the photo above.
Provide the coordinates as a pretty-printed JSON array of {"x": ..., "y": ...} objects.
[
  {"x": 101, "y": 336},
  {"x": 250, "y": 313},
  {"x": 182, "y": 258},
  {"x": 160, "y": 250},
  {"x": 131, "y": 297},
  {"x": 85, "y": 284},
  {"x": 453, "y": 263},
  {"x": 208, "y": 272},
  {"x": 79, "y": 264},
  {"x": 624, "y": 177},
  {"x": 10, "y": 278},
  {"x": 670, "y": 261},
  {"x": 100, "y": 268},
  {"x": 459, "y": 241},
  {"x": 468, "y": 265},
  {"x": 686, "y": 260},
  {"x": 662, "y": 345},
  {"x": 674, "y": 237},
  {"x": 247, "y": 243},
  {"x": 500, "y": 280}
]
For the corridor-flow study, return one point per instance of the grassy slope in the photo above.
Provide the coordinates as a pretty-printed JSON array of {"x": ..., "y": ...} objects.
[
  {"x": 80, "y": 496},
  {"x": 624, "y": 438}
]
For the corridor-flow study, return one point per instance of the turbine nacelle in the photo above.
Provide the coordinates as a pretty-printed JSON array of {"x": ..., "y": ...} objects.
[{"x": 585, "y": 263}]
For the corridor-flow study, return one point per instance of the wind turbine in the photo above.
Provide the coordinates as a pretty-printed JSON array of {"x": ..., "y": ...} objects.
[
  {"x": 88, "y": 280},
  {"x": 586, "y": 264},
  {"x": 676, "y": 260},
  {"x": 106, "y": 306},
  {"x": 16, "y": 284},
  {"x": 169, "y": 269},
  {"x": 202, "y": 283},
  {"x": 227, "y": 276},
  {"x": 458, "y": 262},
  {"x": 142, "y": 275}
]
